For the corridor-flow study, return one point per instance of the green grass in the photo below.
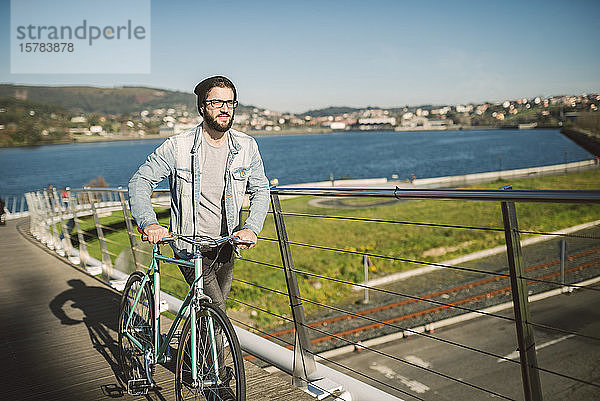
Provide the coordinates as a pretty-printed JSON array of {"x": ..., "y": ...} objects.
[{"x": 404, "y": 241}]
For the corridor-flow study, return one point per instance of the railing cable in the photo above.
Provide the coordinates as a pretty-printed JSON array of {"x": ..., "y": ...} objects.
[
  {"x": 566, "y": 235},
  {"x": 365, "y": 219},
  {"x": 411, "y": 364},
  {"x": 415, "y": 332},
  {"x": 391, "y": 357},
  {"x": 567, "y": 376},
  {"x": 389, "y": 292},
  {"x": 557, "y": 329},
  {"x": 291, "y": 346},
  {"x": 374, "y": 255}
]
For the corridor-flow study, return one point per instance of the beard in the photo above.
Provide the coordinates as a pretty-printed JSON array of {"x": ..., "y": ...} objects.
[{"x": 214, "y": 124}]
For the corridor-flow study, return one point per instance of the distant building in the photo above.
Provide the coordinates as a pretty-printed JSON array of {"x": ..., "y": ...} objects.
[
  {"x": 423, "y": 123},
  {"x": 21, "y": 94},
  {"x": 79, "y": 120},
  {"x": 464, "y": 109},
  {"x": 181, "y": 127},
  {"x": 377, "y": 120},
  {"x": 96, "y": 129},
  {"x": 164, "y": 130},
  {"x": 80, "y": 130},
  {"x": 375, "y": 123}
]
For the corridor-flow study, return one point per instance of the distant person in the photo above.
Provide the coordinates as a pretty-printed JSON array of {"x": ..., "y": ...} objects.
[
  {"x": 71, "y": 222},
  {"x": 209, "y": 167},
  {"x": 2, "y": 212},
  {"x": 50, "y": 193}
]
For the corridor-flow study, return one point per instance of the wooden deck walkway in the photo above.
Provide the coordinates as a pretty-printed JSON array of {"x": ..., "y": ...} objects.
[{"x": 58, "y": 339}]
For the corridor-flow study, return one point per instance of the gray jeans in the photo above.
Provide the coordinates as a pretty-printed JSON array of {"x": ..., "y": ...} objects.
[
  {"x": 217, "y": 271},
  {"x": 217, "y": 274}
]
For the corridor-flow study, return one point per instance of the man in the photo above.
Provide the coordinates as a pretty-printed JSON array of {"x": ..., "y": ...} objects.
[{"x": 209, "y": 168}]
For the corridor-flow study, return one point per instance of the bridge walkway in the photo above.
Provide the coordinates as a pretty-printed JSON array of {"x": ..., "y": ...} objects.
[{"x": 58, "y": 338}]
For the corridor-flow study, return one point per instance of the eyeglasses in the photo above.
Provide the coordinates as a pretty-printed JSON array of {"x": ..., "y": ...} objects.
[{"x": 218, "y": 103}]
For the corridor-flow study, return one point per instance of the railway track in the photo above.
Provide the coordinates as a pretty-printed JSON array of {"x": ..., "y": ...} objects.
[{"x": 418, "y": 310}]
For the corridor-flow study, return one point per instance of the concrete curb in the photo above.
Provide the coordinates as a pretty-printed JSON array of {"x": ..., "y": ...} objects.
[
  {"x": 479, "y": 178},
  {"x": 472, "y": 256}
]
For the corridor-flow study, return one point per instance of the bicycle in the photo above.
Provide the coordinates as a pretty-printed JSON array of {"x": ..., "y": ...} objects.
[{"x": 215, "y": 371}]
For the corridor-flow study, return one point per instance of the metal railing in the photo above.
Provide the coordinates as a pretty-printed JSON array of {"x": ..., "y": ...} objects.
[
  {"x": 294, "y": 348},
  {"x": 15, "y": 206}
]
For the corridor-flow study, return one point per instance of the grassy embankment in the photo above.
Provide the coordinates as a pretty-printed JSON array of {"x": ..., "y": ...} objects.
[{"x": 423, "y": 243}]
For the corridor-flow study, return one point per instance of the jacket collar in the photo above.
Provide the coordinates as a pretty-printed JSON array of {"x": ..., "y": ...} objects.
[
  {"x": 234, "y": 145},
  {"x": 197, "y": 138}
]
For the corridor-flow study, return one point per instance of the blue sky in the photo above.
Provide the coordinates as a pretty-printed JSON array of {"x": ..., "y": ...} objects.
[{"x": 294, "y": 56}]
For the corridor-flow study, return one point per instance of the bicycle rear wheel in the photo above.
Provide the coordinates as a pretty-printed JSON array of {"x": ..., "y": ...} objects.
[
  {"x": 133, "y": 366},
  {"x": 231, "y": 382}
]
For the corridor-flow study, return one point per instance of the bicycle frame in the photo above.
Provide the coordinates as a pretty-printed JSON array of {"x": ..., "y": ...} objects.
[{"x": 193, "y": 297}]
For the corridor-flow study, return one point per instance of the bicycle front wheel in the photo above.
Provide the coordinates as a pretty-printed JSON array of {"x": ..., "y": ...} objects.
[
  {"x": 220, "y": 376},
  {"x": 140, "y": 329}
]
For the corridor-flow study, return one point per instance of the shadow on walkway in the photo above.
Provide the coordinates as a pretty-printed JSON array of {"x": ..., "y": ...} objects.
[{"x": 98, "y": 309}]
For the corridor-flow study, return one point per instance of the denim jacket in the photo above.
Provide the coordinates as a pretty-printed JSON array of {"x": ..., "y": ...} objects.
[{"x": 180, "y": 158}]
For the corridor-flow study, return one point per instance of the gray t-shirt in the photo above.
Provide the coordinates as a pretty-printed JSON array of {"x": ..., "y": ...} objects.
[{"x": 211, "y": 218}]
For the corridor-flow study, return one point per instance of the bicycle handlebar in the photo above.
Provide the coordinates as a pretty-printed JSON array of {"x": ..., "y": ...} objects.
[{"x": 202, "y": 242}]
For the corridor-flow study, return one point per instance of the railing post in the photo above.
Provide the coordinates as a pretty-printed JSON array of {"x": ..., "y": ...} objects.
[
  {"x": 366, "y": 271},
  {"x": 106, "y": 261},
  {"x": 84, "y": 256},
  {"x": 66, "y": 232},
  {"x": 58, "y": 216},
  {"x": 34, "y": 225},
  {"x": 44, "y": 203},
  {"x": 304, "y": 361},
  {"x": 529, "y": 372},
  {"x": 41, "y": 207},
  {"x": 53, "y": 240},
  {"x": 563, "y": 255},
  {"x": 132, "y": 240}
]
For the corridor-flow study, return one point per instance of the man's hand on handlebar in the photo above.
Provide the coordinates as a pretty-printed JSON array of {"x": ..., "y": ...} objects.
[
  {"x": 246, "y": 235},
  {"x": 156, "y": 232}
]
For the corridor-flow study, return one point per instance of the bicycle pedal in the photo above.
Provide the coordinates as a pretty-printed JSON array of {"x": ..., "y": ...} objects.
[{"x": 138, "y": 386}]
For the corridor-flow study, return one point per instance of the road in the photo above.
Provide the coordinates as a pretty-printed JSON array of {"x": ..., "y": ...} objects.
[{"x": 560, "y": 352}]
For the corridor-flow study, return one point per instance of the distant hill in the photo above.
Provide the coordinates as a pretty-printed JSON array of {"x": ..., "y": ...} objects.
[
  {"x": 329, "y": 111},
  {"x": 118, "y": 101},
  {"x": 129, "y": 99},
  {"x": 25, "y": 122},
  {"x": 87, "y": 99},
  {"x": 337, "y": 110}
]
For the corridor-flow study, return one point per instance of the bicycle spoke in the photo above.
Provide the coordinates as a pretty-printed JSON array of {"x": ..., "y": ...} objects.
[{"x": 217, "y": 375}]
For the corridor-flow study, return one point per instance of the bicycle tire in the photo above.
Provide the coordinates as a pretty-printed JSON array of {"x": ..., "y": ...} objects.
[
  {"x": 231, "y": 354},
  {"x": 131, "y": 358}
]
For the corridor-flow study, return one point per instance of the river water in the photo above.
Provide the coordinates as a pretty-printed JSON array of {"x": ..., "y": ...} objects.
[{"x": 304, "y": 158}]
